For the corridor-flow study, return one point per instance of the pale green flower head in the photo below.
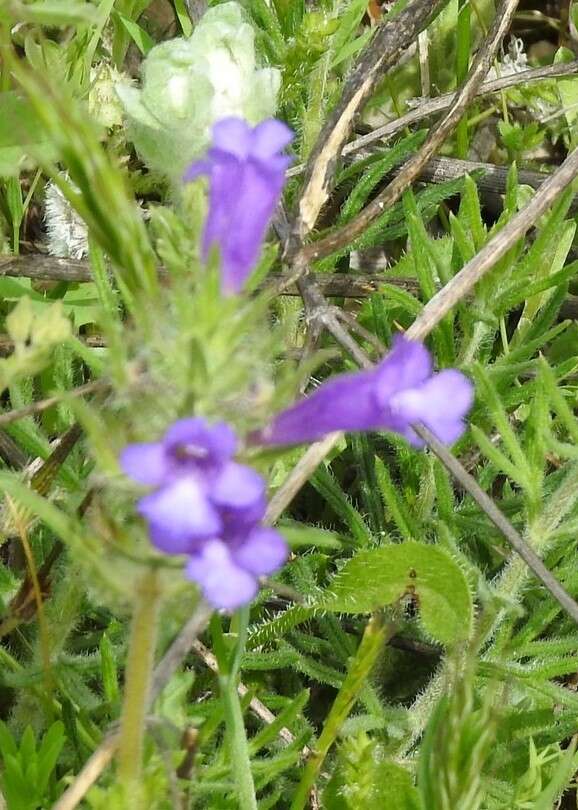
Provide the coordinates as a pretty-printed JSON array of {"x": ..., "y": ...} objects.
[{"x": 189, "y": 84}]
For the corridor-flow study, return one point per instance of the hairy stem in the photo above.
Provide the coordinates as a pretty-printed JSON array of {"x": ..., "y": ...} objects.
[
  {"x": 138, "y": 680},
  {"x": 234, "y": 720}
]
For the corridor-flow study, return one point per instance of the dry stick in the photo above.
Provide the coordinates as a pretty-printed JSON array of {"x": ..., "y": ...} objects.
[
  {"x": 259, "y": 709},
  {"x": 331, "y": 285},
  {"x": 45, "y": 268},
  {"x": 298, "y": 476},
  {"x": 412, "y": 168},
  {"x": 325, "y": 315},
  {"x": 462, "y": 283},
  {"x": 179, "y": 649},
  {"x": 49, "y": 402},
  {"x": 382, "y": 53},
  {"x": 443, "y": 103},
  {"x": 89, "y": 774}
]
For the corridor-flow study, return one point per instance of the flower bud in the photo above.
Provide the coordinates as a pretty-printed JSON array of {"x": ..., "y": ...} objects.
[{"x": 189, "y": 84}]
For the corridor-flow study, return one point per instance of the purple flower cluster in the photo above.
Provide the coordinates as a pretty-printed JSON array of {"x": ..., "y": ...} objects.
[
  {"x": 208, "y": 507},
  {"x": 399, "y": 392},
  {"x": 246, "y": 173},
  {"x": 205, "y": 505}
]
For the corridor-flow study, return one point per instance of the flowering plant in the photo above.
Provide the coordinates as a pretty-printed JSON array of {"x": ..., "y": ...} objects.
[
  {"x": 209, "y": 507},
  {"x": 242, "y": 554}
]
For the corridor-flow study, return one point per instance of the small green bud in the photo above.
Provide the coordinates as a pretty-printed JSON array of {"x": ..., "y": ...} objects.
[{"x": 189, "y": 84}]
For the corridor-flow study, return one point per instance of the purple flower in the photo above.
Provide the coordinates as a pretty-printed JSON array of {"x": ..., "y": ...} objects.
[
  {"x": 208, "y": 507},
  {"x": 228, "y": 572},
  {"x": 246, "y": 173},
  {"x": 398, "y": 393}
]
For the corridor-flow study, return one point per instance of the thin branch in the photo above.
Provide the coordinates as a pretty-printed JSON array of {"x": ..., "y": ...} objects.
[
  {"x": 89, "y": 774},
  {"x": 43, "y": 404},
  {"x": 430, "y": 107},
  {"x": 347, "y": 234},
  {"x": 257, "y": 707},
  {"x": 46, "y": 268},
  {"x": 196, "y": 9},
  {"x": 381, "y": 54},
  {"x": 11, "y": 452},
  {"x": 320, "y": 313},
  {"x": 299, "y": 475},
  {"x": 179, "y": 649}
]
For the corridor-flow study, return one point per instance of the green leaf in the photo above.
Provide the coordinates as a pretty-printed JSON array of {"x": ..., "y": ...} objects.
[
  {"x": 108, "y": 670},
  {"x": 7, "y": 741},
  {"x": 298, "y": 534},
  {"x": 394, "y": 502},
  {"x": 327, "y": 486},
  {"x": 138, "y": 35},
  {"x": 182, "y": 16},
  {"x": 383, "y": 576},
  {"x": 48, "y": 753},
  {"x": 568, "y": 90},
  {"x": 565, "y": 768}
]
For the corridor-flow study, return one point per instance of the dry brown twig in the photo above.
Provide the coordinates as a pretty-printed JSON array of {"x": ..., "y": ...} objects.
[{"x": 43, "y": 404}]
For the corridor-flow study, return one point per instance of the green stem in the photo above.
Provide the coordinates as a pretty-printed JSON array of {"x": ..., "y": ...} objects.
[
  {"x": 239, "y": 758},
  {"x": 137, "y": 684},
  {"x": 357, "y": 674}
]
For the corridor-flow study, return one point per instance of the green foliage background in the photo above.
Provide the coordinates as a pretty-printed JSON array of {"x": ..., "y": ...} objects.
[{"x": 411, "y": 658}]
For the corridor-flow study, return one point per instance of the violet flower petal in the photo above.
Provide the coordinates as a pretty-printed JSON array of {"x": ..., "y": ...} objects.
[
  {"x": 345, "y": 403},
  {"x": 234, "y": 136},
  {"x": 237, "y": 487},
  {"x": 246, "y": 177},
  {"x": 407, "y": 364},
  {"x": 197, "y": 169},
  {"x": 181, "y": 509},
  {"x": 270, "y": 137},
  {"x": 241, "y": 239},
  {"x": 263, "y": 552},
  {"x": 168, "y": 541},
  {"x": 204, "y": 443},
  {"x": 146, "y": 463},
  {"x": 224, "y": 584},
  {"x": 441, "y": 403},
  {"x": 400, "y": 391}
]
